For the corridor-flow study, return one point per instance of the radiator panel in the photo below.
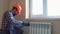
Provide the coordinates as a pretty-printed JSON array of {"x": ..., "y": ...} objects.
[{"x": 40, "y": 28}]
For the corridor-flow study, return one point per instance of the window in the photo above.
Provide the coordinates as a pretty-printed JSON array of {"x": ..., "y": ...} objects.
[{"x": 42, "y": 8}]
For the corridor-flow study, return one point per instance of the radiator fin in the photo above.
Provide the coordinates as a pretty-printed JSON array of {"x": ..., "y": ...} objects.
[{"x": 40, "y": 28}]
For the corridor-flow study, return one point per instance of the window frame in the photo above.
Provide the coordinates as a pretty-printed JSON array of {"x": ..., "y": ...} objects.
[{"x": 28, "y": 12}]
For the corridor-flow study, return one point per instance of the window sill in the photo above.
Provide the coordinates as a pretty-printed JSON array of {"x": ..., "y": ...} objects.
[{"x": 43, "y": 19}]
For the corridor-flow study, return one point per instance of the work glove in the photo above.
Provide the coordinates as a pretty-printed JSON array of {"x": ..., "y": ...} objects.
[{"x": 26, "y": 23}]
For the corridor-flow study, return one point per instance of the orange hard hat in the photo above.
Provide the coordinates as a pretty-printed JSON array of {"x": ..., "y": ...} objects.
[{"x": 18, "y": 8}]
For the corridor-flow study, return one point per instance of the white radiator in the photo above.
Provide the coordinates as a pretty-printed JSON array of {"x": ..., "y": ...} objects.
[{"x": 40, "y": 28}]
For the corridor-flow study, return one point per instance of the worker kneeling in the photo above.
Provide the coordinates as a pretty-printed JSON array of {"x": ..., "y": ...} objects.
[{"x": 9, "y": 24}]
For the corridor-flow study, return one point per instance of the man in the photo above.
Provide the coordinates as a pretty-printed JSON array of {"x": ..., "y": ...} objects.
[{"x": 9, "y": 24}]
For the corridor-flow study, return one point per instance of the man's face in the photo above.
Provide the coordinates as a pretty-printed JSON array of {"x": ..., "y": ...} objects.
[{"x": 15, "y": 12}]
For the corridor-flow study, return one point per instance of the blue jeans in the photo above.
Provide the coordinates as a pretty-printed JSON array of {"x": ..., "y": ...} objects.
[
  {"x": 12, "y": 31},
  {"x": 15, "y": 30}
]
